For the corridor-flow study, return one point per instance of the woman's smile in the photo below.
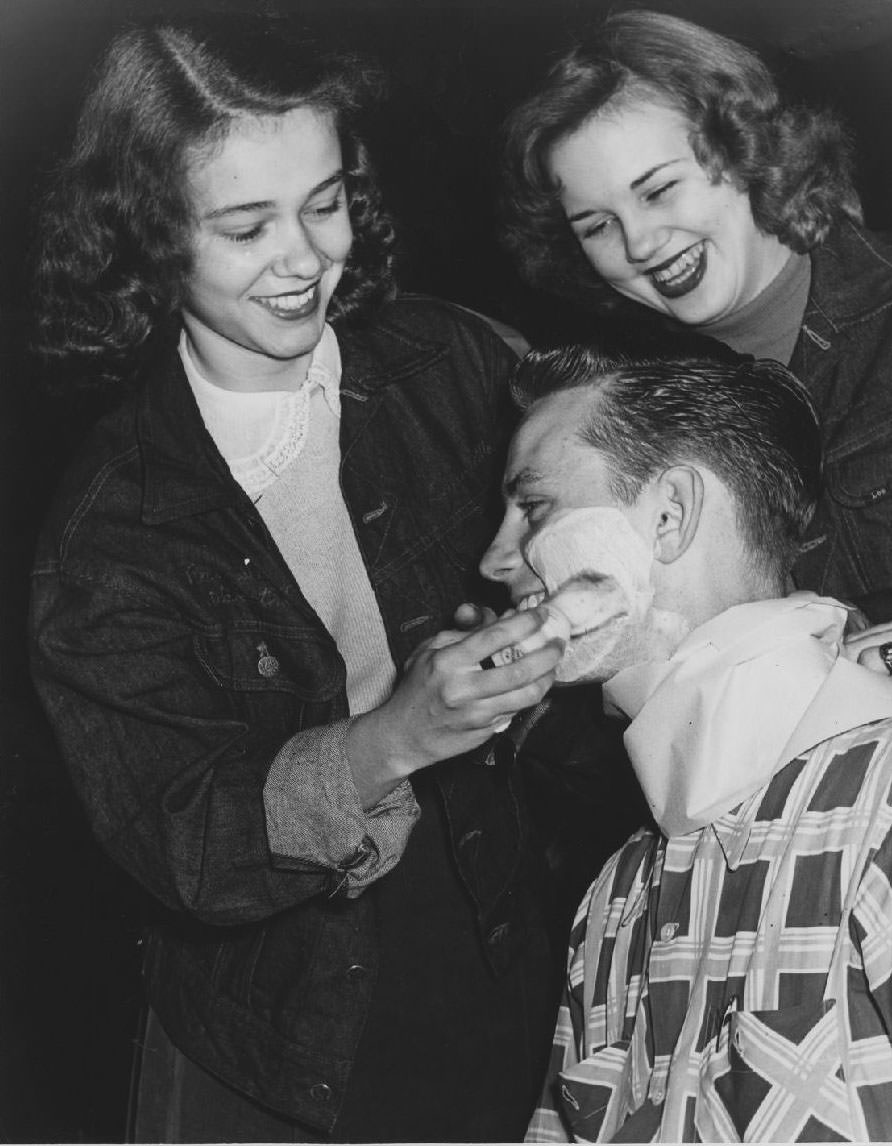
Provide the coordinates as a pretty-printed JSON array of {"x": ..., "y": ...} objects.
[{"x": 657, "y": 226}]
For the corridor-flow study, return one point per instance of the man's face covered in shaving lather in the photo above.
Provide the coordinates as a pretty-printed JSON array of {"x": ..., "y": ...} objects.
[
  {"x": 566, "y": 537},
  {"x": 596, "y": 570}
]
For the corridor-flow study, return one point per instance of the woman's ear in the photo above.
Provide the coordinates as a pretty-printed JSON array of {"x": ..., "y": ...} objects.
[{"x": 679, "y": 503}]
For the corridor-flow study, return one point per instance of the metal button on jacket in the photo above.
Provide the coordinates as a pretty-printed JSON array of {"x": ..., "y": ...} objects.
[{"x": 267, "y": 664}]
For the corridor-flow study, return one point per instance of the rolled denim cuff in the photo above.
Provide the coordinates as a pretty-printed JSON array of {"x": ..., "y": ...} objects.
[{"x": 314, "y": 818}]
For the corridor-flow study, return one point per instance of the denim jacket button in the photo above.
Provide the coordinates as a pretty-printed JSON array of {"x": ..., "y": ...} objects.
[
  {"x": 320, "y": 1092},
  {"x": 267, "y": 664},
  {"x": 498, "y": 934}
]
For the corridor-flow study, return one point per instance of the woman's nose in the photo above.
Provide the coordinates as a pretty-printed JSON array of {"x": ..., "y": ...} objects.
[
  {"x": 299, "y": 257},
  {"x": 643, "y": 236}
]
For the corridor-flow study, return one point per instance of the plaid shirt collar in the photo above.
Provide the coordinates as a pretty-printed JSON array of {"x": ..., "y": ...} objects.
[{"x": 734, "y": 828}]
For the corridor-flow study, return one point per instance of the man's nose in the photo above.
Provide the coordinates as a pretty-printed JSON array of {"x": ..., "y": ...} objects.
[{"x": 503, "y": 558}]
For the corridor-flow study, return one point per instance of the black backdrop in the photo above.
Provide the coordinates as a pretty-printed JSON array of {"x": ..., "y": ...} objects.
[{"x": 69, "y": 991}]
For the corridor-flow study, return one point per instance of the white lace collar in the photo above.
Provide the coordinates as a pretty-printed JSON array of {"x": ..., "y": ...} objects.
[{"x": 260, "y": 433}]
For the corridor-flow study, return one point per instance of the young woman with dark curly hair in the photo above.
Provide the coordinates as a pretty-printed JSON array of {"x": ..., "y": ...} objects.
[
  {"x": 242, "y": 612},
  {"x": 658, "y": 171}
]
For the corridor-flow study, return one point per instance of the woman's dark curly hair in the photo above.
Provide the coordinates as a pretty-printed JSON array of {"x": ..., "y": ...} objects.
[
  {"x": 795, "y": 162},
  {"x": 114, "y": 246}
]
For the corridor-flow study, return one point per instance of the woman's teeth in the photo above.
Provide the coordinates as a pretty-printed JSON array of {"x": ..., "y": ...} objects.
[
  {"x": 530, "y": 602},
  {"x": 682, "y": 274},
  {"x": 289, "y": 304}
]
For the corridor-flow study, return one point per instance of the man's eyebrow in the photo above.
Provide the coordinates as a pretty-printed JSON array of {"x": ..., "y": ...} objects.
[
  {"x": 522, "y": 478},
  {"x": 634, "y": 185},
  {"x": 265, "y": 204}
]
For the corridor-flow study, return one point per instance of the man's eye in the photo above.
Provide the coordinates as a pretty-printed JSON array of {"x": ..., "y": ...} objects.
[{"x": 532, "y": 510}]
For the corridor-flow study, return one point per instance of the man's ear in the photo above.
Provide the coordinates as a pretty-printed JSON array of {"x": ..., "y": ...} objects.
[{"x": 679, "y": 503}]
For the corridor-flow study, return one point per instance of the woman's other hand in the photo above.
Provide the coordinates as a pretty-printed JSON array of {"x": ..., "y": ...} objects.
[{"x": 870, "y": 647}]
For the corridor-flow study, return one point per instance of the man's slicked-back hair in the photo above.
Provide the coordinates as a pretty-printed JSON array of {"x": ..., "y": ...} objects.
[
  {"x": 115, "y": 231},
  {"x": 794, "y": 161},
  {"x": 750, "y": 421}
]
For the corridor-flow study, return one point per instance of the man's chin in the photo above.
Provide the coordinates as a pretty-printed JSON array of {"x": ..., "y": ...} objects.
[
  {"x": 597, "y": 674},
  {"x": 621, "y": 644},
  {"x": 595, "y": 656}
]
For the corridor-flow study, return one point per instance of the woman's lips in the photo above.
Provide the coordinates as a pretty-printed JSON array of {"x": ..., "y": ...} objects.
[
  {"x": 290, "y": 305},
  {"x": 682, "y": 274}
]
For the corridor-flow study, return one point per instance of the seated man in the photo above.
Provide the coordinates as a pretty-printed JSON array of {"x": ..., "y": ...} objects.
[{"x": 730, "y": 970}]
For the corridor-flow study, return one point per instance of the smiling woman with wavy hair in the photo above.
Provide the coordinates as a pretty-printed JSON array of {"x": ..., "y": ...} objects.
[
  {"x": 115, "y": 248},
  {"x": 243, "y": 613},
  {"x": 794, "y": 162}
]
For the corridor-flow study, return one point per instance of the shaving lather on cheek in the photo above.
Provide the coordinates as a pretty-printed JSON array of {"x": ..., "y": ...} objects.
[{"x": 596, "y": 570}]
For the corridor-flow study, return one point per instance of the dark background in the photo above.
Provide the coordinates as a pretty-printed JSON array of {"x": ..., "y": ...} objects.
[{"x": 69, "y": 955}]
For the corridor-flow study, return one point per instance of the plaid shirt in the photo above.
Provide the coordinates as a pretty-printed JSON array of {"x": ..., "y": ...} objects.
[{"x": 736, "y": 983}]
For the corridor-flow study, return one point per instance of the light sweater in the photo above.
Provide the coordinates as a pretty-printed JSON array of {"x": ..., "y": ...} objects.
[{"x": 283, "y": 448}]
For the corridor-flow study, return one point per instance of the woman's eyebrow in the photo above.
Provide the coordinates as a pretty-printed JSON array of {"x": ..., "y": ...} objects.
[
  {"x": 236, "y": 208},
  {"x": 634, "y": 185},
  {"x": 265, "y": 204},
  {"x": 653, "y": 171}
]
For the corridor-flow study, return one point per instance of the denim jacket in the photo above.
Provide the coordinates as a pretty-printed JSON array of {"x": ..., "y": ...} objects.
[
  {"x": 844, "y": 356},
  {"x": 175, "y": 656}
]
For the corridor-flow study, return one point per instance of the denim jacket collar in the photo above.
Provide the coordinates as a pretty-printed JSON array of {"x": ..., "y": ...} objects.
[
  {"x": 851, "y": 282},
  {"x": 184, "y": 473}
]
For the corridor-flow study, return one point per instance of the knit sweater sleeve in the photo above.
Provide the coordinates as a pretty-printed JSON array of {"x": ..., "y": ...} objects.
[{"x": 314, "y": 817}]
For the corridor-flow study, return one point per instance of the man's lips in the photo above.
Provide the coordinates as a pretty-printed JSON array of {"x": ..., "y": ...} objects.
[
  {"x": 681, "y": 274},
  {"x": 290, "y": 305}
]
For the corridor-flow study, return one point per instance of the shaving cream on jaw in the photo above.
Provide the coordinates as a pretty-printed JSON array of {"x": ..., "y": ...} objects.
[{"x": 596, "y": 569}]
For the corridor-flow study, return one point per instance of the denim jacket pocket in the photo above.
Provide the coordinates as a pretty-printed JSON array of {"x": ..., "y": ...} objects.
[
  {"x": 848, "y": 553},
  {"x": 861, "y": 475},
  {"x": 253, "y": 657}
]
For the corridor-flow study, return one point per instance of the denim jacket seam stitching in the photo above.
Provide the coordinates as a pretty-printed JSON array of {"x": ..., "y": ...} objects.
[{"x": 90, "y": 495}]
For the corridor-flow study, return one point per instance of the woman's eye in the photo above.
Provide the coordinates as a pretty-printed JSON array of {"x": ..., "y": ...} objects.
[
  {"x": 325, "y": 209},
  {"x": 596, "y": 230},
  {"x": 245, "y": 236},
  {"x": 659, "y": 192}
]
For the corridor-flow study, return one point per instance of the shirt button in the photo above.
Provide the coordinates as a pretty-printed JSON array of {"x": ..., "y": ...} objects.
[
  {"x": 356, "y": 972},
  {"x": 668, "y": 932},
  {"x": 320, "y": 1092}
]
